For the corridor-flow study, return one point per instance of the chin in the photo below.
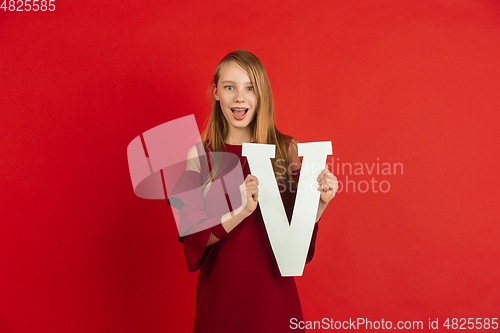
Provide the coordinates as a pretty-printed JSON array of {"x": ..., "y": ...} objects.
[{"x": 240, "y": 125}]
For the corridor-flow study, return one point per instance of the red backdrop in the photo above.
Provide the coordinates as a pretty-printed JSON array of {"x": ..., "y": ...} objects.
[{"x": 407, "y": 82}]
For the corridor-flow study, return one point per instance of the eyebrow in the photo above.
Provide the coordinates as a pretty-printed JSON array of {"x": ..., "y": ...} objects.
[{"x": 228, "y": 81}]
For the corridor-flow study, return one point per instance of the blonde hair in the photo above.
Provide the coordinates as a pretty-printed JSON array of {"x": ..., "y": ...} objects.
[{"x": 263, "y": 127}]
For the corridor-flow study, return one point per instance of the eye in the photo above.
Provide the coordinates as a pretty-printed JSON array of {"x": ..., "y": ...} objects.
[
  {"x": 250, "y": 88},
  {"x": 229, "y": 87}
]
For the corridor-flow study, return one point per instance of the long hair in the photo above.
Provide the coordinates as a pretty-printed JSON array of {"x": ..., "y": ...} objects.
[{"x": 263, "y": 127}]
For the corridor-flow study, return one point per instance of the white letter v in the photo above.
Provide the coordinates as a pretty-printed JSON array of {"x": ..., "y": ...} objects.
[{"x": 290, "y": 242}]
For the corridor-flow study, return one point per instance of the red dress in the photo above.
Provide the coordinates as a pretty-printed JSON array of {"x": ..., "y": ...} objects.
[{"x": 239, "y": 288}]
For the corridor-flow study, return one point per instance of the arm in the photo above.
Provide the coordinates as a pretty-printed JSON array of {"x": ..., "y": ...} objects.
[
  {"x": 249, "y": 195},
  {"x": 193, "y": 163},
  {"x": 228, "y": 222},
  {"x": 321, "y": 208},
  {"x": 250, "y": 198}
]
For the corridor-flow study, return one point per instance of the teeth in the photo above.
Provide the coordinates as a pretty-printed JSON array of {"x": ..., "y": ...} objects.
[{"x": 239, "y": 112}]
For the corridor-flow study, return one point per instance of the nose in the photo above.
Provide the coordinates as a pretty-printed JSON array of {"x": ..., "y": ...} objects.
[{"x": 239, "y": 97}]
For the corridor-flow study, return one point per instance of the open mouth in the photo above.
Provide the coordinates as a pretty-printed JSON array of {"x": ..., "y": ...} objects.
[{"x": 239, "y": 113}]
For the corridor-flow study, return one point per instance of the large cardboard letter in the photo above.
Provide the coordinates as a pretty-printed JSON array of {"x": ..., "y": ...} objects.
[{"x": 290, "y": 242}]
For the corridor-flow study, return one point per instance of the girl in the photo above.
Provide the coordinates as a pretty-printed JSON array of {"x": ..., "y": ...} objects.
[{"x": 240, "y": 288}]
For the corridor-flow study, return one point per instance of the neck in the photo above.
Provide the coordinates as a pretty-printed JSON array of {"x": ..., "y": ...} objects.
[{"x": 236, "y": 136}]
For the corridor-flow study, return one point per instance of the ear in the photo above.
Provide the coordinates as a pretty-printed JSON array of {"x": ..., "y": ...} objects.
[{"x": 215, "y": 92}]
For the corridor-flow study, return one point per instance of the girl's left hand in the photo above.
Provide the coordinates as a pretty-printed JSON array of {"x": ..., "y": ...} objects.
[{"x": 328, "y": 185}]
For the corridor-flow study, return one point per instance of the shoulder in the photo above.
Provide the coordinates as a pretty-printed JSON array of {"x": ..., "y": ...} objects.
[
  {"x": 291, "y": 143},
  {"x": 289, "y": 139},
  {"x": 192, "y": 159},
  {"x": 293, "y": 152}
]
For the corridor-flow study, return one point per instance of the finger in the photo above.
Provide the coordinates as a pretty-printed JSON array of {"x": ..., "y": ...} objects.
[
  {"x": 253, "y": 181},
  {"x": 322, "y": 178},
  {"x": 253, "y": 185},
  {"x": 330, "y": 178},
  {"x": 252, "y": 189},
  {"x": 327, "y": 172},
  {"x": 251, "y": 177},
  {"x": 321, "y": 175},
  {"x": 331, "y": 183}
]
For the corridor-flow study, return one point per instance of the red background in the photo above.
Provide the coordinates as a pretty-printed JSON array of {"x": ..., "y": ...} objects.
[{"x": 411, "y": 82}]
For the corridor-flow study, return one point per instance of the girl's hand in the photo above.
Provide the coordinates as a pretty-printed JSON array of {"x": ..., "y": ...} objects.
[
  {"x": 328, "y": 185},
  {"x": 249, "y": 194}
]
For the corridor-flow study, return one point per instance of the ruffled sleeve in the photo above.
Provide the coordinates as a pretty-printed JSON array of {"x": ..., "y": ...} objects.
[{"x": 195, "y": 226}]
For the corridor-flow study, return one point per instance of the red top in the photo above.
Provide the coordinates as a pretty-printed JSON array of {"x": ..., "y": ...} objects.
[{"x": 240, "y": 288}]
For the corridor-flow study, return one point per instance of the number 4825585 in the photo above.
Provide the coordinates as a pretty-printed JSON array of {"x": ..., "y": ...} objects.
[
  {"x": 28, "y": 5},
  {"x": 471, "y": 323}
]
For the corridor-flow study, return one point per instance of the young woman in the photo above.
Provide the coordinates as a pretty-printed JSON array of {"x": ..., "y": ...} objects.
[{"x": 240, "y": 288}]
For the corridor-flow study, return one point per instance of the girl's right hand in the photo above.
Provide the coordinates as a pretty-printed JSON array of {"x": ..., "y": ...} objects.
[{"x": 249, "y": 194}]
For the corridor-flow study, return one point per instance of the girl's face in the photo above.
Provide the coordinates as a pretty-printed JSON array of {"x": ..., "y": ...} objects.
[{"x": 236, "y": 95}]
